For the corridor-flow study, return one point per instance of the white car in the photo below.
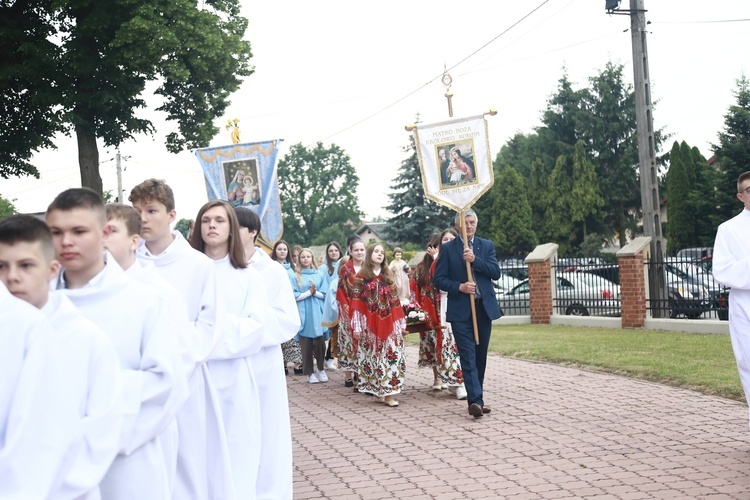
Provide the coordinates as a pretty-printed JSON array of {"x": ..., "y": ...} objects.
[{"x": 577, "y": 294}]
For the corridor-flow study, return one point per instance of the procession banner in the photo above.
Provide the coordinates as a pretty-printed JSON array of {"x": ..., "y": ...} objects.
[
  {"x": 245, "y": 176},
  {"x": 454, "y": 158}
]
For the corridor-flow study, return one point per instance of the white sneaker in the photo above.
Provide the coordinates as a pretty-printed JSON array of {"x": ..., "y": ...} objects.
[
  {"x": 331, "y": 365},
  {"x": 313, "y": 379},
  {"x": 322, "y": 377},
  {"x": 461, "y": 393}
]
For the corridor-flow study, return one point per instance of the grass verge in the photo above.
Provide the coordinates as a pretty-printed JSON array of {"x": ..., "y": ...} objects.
[{"x": 700, "y": 362}]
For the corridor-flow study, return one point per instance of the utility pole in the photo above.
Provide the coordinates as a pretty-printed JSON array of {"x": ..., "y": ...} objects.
[
  {"x": 647, "y": 158},
  {"x": 119, "y": 177}
]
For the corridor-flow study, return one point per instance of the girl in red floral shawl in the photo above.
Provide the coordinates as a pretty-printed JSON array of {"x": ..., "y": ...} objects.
[
  {"x": 378, "y": 325},
  {"x": 437, "y": 348},
  {"x": 347, "y": 270}
]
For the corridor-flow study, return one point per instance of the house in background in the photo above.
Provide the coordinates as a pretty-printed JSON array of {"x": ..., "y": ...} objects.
[{"x": 373, "y": 232}]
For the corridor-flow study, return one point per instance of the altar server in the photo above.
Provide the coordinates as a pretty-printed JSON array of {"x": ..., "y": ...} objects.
[
  {"x": 133, "y": 317},
  {"x": 203, "y": 469},
  {"x": 731, "y": 267},
  {"x": 121, "y": 243},
  {"x": 84, "y": 358},
  {"x": 243, "y": 296},
  {"x": 275, "y": 472}
]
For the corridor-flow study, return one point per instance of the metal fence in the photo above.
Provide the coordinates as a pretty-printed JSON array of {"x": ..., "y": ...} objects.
[
  {"x": 591, "y": 286},
  {"x": 691, "y": 290}
]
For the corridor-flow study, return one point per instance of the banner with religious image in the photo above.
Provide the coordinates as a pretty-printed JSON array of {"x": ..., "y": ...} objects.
[
  {"x": 454, "y": 158},
  {"x": 245, "y": 176}
]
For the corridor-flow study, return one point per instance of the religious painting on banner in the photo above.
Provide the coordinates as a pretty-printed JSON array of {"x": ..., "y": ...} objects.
[
  {"x": 245, "y": 176},
  {"x": 454, "y": 158}
]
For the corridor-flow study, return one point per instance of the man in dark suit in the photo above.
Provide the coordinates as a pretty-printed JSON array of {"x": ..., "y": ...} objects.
[{"x": 451, "y": 276}]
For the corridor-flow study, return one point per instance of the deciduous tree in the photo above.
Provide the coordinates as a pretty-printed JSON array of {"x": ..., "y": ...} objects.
[
  {"x": 510, "y": 228},
  {"x": 82, "y": 67},
  {"x": 318, "y": 188}
]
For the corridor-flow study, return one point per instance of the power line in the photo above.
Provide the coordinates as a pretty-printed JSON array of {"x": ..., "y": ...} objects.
[
  {"x": 438, "y": 76},
  {"x": 702, "y": 22}
]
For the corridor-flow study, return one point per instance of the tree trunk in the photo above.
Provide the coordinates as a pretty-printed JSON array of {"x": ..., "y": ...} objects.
[{"x": 88, "y": 160}]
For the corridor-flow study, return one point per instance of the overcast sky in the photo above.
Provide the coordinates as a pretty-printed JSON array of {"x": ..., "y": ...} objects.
[{"x": 354, "y": 73}]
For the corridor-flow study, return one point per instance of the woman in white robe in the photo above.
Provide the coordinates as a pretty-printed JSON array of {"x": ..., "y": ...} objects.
[{"x": 243, "y": 296}]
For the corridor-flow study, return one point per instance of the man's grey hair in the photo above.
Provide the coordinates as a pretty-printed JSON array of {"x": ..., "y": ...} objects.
[{"x": 457, "y": 218}]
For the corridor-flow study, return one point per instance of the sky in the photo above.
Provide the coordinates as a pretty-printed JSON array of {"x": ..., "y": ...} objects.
[{"x": 355, "y": 73}]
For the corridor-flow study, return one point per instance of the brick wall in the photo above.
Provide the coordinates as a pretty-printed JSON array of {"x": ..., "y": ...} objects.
[
  {"x": 540, "y": 296},
  {"x": 632, "y": 291}
]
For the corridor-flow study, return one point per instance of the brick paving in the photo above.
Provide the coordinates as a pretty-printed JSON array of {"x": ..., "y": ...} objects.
[{"x": 554, "y": 432}]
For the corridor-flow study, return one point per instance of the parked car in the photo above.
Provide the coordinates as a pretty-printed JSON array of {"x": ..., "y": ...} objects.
[
  {"x": 686, "y": 298},
  {"x": 576, "y": 295},
  {"x": 505, "y": 284},
  {"x": 693, "y": 254}
]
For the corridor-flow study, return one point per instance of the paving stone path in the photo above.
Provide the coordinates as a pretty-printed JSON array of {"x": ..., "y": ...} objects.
[{"x": 554, "y": 432}]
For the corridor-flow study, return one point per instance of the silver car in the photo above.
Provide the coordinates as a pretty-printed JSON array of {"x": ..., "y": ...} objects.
[{"x": 579, "y": 294}]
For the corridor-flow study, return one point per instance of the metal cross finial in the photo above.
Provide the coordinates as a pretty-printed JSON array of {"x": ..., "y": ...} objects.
[{"x": 447, "y": 81}]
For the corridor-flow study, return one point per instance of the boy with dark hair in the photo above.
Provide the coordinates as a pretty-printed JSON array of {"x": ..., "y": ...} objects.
[
  {"x": 91, "y": 384},
  {"x": 133, "y": 317},
  {"x": 275, "y": 473},
  {"x": 203, "y": 468}
]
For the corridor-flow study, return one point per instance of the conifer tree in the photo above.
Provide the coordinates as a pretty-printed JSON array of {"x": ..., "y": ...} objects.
[
  {"x": 416, "y": 217},
  {"x": 733, "y": 152},
  {"x": 679, "y": 216}
]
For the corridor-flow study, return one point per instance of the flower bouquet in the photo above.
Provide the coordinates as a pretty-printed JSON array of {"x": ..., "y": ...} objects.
[{"x": 415, "y": 318}]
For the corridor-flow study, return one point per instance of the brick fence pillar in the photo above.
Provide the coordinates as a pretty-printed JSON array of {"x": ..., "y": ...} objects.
[
  {"x": 631, "y": 259},
  {"x": 540, "y": 283}
]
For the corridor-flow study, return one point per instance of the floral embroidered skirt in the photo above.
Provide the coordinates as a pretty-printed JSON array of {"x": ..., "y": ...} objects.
[
  {"x": 333, "y": 342},
  {"x": 449, "y": 365},
  {"x": 347, "y": 356},
  {"x": 292, "y": 352},
  {"x": 382, "y": 365}
]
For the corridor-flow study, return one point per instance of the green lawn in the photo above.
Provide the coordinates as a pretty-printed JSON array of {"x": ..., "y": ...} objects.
[{"x": 700, "y": 362}]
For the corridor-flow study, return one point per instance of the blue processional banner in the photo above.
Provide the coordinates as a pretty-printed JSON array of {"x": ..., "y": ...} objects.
[{"x": 245, "y": 176}]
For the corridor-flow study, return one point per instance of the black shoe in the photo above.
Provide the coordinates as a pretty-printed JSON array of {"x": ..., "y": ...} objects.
[
  {"x": 298, "y": 371},
  {"x": 475, "y": 410},
  {"x": 286, "y": 371},
  {"x": 356, "y": 389},
  {"x": 486, "y": 409},
  {"x": 348, "y": 383}
]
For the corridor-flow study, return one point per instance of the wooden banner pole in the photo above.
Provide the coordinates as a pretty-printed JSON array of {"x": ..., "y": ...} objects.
[{"x": 471, "y": 279}]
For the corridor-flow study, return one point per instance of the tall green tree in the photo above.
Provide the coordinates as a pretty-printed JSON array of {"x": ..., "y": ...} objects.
[
  {"x": 733, "y": 151},
  {"x": 585, "y": 197},
  {"x": 82, "y": 67},
  {"x": 679, "y": 212},
  {"x": 609, "y": 130},
  {"x": 318, "y": 188},
  {"x": 415, "y": 216},
  {"x": 510, "y": 228},
  {"x": 703, "y": 199}
]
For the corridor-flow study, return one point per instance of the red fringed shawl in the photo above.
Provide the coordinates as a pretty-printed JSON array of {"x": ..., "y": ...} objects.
[
  {"x": 427, "y": 298},
  {"x": 379, "y": 304}
]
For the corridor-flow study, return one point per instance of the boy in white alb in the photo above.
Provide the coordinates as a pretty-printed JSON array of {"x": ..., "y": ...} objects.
[
  {"x": 203, "y": 468},
  {"x": 121, "y": 243},
  {"x": 90, "y": 382},
  {"x": 275, "y": 473},
  {"x": 133, "y": 317}
]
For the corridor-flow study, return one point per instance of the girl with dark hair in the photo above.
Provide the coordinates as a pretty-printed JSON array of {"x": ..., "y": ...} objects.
[
  {"x": 378, "y": 325},
  {"x": 242, "y": 294},
  {"x": 291, "y": 349},
  {"x": 437, "y": 347}
]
